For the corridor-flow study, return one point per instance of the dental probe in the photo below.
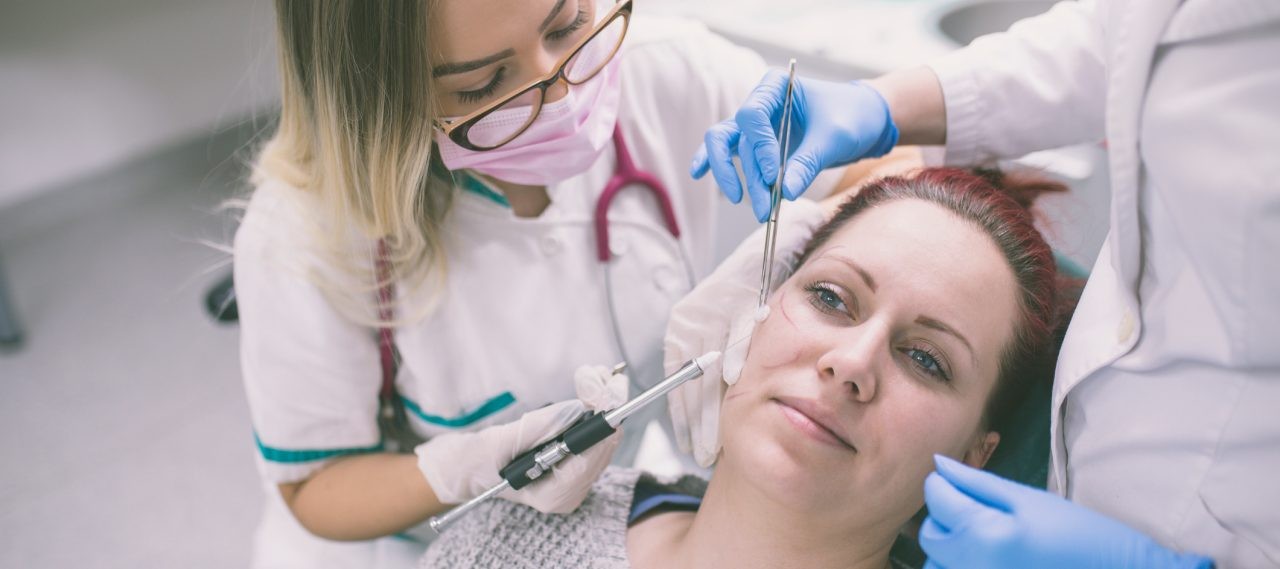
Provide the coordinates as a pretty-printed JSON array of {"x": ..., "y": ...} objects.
[{"x": 592, "y": 428}]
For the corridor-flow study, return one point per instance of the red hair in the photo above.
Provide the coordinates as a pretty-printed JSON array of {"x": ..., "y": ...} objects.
[{"x": 1000, "y": 204}]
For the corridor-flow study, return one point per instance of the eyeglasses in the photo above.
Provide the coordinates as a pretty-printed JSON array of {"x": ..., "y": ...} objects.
[{"x": 503, "y": 120}]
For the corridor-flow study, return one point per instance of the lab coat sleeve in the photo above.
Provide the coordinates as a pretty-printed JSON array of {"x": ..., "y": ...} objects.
[
  {"x": 1039, "y": 85},
  {"x": 311, "y": 376}
]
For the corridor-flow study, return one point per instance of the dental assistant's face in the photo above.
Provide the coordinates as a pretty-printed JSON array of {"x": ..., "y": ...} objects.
[
  {"x": 484, "y": 49},
  {"x": 879, "y": 352}
]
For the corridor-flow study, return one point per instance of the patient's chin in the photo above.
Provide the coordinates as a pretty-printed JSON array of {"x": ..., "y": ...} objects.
[{"x": 788, "y": 471}]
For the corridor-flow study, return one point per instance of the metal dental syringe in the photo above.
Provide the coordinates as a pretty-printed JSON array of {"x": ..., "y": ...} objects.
[{"x": 582, "y": 435}]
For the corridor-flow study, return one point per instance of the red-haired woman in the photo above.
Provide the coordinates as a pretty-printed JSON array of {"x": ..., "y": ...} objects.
[
  {"x": 913, "y": 324},
  {"x": 1164, "y": 406}
]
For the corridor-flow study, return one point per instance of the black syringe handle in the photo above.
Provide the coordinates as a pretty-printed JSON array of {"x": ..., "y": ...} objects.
[
  {"x": 587, "y": 432},
  {"x": 533, "y": 463}
]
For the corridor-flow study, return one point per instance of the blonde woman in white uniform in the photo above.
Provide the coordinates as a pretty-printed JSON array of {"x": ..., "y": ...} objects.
[
  {"x": 1165, "y": 423},
  {"x": 436, "y": 172}
]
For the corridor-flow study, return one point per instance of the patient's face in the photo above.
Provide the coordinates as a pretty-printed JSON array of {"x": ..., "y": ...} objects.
[{"x": 878, "y": 353}]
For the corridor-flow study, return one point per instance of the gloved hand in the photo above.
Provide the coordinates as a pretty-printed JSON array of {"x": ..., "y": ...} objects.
[
  {"x": 459, "y": 466},
  {"x": 977, "y": 519},
  {"x": 834, "y": 123},
  {"x": 720, "y": 311}
]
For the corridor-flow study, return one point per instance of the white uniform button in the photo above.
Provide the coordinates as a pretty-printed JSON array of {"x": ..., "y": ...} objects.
[
  {"x": 618, "y": 246},
  {"x": 551, "y": 245},
  {"x": 1125, "y": 329}
]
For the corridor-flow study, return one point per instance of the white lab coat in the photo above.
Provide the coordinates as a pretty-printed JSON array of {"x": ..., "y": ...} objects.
[
  {"x": 525, "y": 300},
  {"x": 1166, "y": 406}
]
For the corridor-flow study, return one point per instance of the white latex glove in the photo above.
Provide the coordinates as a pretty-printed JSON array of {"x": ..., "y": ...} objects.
[
  {"x": 459, "y": 466},
  {"x": 721, "y": 314}
]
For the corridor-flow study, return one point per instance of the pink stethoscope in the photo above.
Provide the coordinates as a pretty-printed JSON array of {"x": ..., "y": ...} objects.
[{"x": 626, "y": 174}]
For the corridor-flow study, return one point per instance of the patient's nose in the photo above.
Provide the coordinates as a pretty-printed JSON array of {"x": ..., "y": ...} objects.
[{"x": 851, "y": 360}]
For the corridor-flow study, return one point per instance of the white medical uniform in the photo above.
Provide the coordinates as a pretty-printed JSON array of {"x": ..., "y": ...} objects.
[
  {"x": 525, "y": 299},
  {"x": 1166, "y": 407}
]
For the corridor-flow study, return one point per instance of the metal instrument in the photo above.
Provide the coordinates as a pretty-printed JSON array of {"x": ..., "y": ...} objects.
[
  {"x": 775, "y": 195},
  {"x": 582, "y": 435}
]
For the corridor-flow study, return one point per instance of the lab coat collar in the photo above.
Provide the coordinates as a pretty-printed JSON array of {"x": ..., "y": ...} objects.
[{"x": 1199, "y": 19}]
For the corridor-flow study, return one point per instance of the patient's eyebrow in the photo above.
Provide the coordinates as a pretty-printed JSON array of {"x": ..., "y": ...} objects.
[
  {"x": 866, "y": 277},
  {"x": 938, "y": 325}
]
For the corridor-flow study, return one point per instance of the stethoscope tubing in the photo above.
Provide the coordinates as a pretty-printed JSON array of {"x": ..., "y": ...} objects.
[{"x": 626, "y": 175}]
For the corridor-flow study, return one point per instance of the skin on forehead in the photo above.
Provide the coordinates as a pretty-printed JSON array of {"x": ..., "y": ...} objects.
[
  {"x": 925, "y": 258},
  {"x": 463, "y": 30}
]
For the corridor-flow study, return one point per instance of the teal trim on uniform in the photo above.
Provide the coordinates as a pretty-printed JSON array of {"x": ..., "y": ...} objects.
[
  {"x": 1070, "y": 268},
  {"x": 471, "y": 184},
  {"x": 407, "y": 537},
  {"x": 289, "y": 456},
  {"x": 490, "y": 407}
]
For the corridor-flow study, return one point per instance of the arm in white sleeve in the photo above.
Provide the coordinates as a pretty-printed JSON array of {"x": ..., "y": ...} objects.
[
  {"x": 311, "y": 376},
  {"x": 1039, "y": 85}
]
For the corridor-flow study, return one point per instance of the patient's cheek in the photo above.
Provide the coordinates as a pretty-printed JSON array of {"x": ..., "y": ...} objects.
[{"x": 780, "y": 339}]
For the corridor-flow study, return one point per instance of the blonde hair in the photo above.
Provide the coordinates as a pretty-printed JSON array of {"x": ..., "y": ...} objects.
[{"x": 355, "y": 136}]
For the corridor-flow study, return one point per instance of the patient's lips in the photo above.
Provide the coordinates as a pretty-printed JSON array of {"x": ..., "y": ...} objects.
[{"x": 814, "y": 420}]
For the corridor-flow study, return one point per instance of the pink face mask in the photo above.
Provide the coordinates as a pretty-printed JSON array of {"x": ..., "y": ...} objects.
[{"x": 564, "y": 140}]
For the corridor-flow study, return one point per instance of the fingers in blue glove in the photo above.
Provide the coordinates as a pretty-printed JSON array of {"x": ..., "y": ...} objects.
[
  {"x": 759, "y": 191},
  {"x": 720, "y": 142},
  {"x": 802, "y": 169},
  {"x": 977, "y": 519},
  {"x": 938, "y": 542},
  {"x": 699, "y": 166},
  {"x": 981, "y": 485},
  {"x": 954, "y": 519},
  {"x": 756, "y": 119},
  {"x": 949, "y": 506},
  {"x": 966, "y": 506},
  {"x": 931, "y": 530}
]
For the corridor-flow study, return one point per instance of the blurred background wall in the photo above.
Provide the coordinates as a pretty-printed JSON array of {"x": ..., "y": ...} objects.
[
  {"x": 90, "y": 85},
  {"x": 123, "y": 125}
]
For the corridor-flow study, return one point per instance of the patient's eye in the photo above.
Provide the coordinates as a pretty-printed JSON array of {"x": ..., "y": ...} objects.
[
  {"x": 824, "y": 297},
  {"x": 927, "y": 361}
]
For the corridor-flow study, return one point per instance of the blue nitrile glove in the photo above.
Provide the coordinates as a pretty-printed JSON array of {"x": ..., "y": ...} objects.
[
  {"x": 977, "y": 519},
  {"x": 833, "y": 124}
]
